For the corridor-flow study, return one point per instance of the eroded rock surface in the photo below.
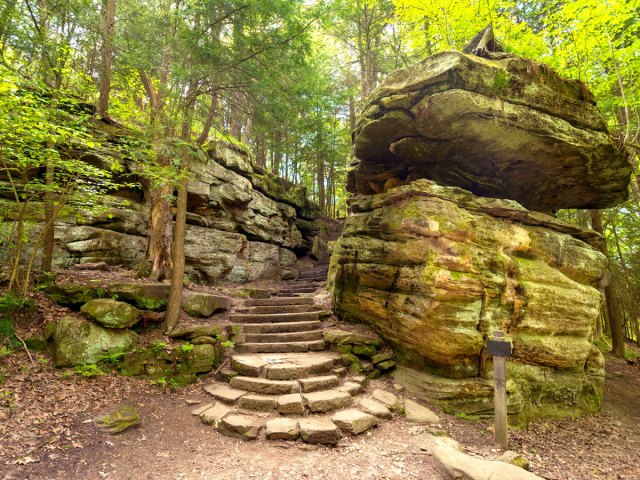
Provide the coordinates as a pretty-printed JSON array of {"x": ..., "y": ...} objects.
[
  {"x": 509, "y": 128},
  {"x": 435, "y": 269}
]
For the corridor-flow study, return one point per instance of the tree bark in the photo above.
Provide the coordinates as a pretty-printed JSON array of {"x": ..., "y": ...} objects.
[
  {"x": 175, "y": 292},
  {"x": 107, "y": 30},
  {"x": 613, "y": 311}
]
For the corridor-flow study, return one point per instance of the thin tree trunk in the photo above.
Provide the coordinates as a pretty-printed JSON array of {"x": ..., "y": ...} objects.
[
  {"x": 177, "y": 275},
  {"x": 208, "y": 123},
  {"x": 613, "y": 310},
  {"x": 107, "y": 30},
  {"x": 49, "y": 221}
]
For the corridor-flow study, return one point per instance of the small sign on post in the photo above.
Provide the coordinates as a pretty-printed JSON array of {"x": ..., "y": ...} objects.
[{"x": 499, "y": 347}]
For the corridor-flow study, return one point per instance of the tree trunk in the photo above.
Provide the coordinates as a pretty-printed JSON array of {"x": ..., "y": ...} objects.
[
  {"x": 49, "y": 220},
  {"x": 175, "y": 293},
  {"x": 208, "y": 123},
  {"x": 613, "y": 308},
  {"x": 159, "y": 245},
  {"x": 277, "y": 152},
  {"x": 107, "y": 30}
]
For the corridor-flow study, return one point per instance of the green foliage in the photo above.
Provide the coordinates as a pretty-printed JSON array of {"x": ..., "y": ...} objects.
[
  {"x": 113, "y": 358},
  {"x": 158, "y": 346},
  {"x": 164, "y": 382},
  {"x": 89, "y": 370},
  {"x": 141, "y": 269}
]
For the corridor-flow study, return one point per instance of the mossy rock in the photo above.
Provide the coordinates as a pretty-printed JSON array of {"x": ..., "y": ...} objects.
[
  {"x": 111, "y": 313},
  {"x": 364, "y": 350},
  {"x": 119, "y": 419},
  {"x": 147, "y": 296},
  {"x": 50, "y": 330},
  {"x": 342, "y": 337},
  {"x": 38, "y": 344},
  {"x": 74, "y": 294},
  {"x": 77, "y": 341},
  {"x": 195, "y": 331},
  {"x": 202, "y": 304}
]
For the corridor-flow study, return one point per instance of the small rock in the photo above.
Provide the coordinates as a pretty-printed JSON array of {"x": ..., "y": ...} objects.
[
  {"x": 192, "y": 401},
  {"x": 282, "y": 429},
  {"x": 366, "y": 367},
  {"x": 364, "y": 350},
  {"x": 354, "y": 421},
  {"x": 514, "y": 458},
  {"x": 388, "y": 365},
  {"x": 397, "y": 387},
  {"x": 386, "y": 398},
  {"x": 119, "y": 419},
  {"x": 202, "y": 304},
  {"x": 374, "y": 374},
  {"x": 382, "y": 357},
  {"x": 418, "y": 413},
  {"x": 361, "y": 379},
  {"x": 375, "y": 408},
  {"x": 204, "y": 340}
]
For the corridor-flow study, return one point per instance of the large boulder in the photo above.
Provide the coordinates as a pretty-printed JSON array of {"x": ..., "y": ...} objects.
[
  {"x": 78, "y": 341},
  {"x": 508, "y": 128},
  {"x": 435, "y": 269}
]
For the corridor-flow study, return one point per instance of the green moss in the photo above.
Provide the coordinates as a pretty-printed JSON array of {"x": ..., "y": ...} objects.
[{"x": 501, "y": 82}]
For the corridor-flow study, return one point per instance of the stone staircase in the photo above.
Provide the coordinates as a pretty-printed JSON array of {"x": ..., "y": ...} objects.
[{"x": 283, "y": 380}]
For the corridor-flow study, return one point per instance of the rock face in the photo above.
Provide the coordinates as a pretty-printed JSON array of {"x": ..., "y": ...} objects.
[
  {"x": 489, "y": 126},
  {"x": 435, "y": 269},
  {"x": 242, "y": 222}
]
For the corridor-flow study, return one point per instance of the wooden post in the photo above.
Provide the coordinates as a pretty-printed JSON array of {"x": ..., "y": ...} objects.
[{"x": 500, "y": 348}]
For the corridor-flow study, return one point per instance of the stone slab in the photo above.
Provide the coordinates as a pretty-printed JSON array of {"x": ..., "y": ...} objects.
[
  {"x": 291, "y": 404},
  {"x": 375, "y": 408},
  {"x": 265, "y": 386},
  {"x": 224, "y": 393}
]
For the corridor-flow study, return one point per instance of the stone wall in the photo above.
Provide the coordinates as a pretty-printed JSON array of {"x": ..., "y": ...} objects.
[{"x": 243, "y": 223}]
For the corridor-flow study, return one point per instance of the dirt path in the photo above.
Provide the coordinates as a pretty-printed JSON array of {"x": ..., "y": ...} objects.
[{"x": 51, "y": 431}]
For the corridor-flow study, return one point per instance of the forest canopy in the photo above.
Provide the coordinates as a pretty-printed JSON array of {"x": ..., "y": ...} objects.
[{"x": 287, "y": 78}]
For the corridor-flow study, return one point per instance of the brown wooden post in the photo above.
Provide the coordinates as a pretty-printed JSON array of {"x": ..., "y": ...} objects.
[{"x": 500, "y": 348}]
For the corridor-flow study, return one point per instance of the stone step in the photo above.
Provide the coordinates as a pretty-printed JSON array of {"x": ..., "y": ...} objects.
[
  {"x": 255, "y": 302},
  {"x": 264, "y": 386},
  {"x": 284, "y": 366},
  {"x": 282, "y": 347},
  {"x": 354, "y": 421},
  {"x": 224, "y": 393},
  {"x": 313, "y": 384},
  {"x": 273, "y": 317},
  {"x": 282, "y": 337},
  {"x": 277, "y": 309},
  {"x": 288, "y": 291},
  {"x": 319, "y": 430},
  {"x": 258, "y": 402},
  {"x": 245, "y": 427},
  {"x": 296, "y": 284},
  {"x": 326, "y": 400},
  {"x": 278, "y": 327}
]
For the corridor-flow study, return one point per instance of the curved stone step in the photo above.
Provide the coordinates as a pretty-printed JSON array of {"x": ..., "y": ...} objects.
[
  {"x": 307, "y": 336},
  {"x": 257, "y": 402},
  {"x": 319, "y": 430},
  {"x": 293, "y": 290},
  {"x": 255, "y": 302},
  {"x": 313, "y": 384},
  {"x": 279, "y": 327},
  {"x": 273, "y": 317},
  {"x": 264, "y": 385},
  {"x": 282, "y": 347},
  {"x": 277, "y": 309},
  {"x": 284, "y": 366},
  {"x": 224, "y": 393},
  {"x": 245, "y": 427},
  {"x": 327, "y": 400}
]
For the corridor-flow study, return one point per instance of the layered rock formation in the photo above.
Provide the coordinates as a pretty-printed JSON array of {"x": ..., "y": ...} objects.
[
  {"x": 489, "y": 126},
  {"x": 243, "y": 223},
  {"x": 435, "y": 268}
]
